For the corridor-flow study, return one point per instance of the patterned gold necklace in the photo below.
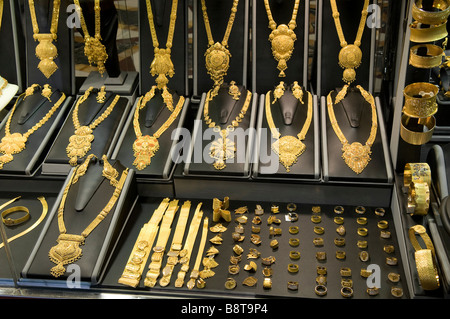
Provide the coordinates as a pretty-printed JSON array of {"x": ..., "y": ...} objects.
[
  {"x": 94, "y": 50},
  {"x": 80, "y": 142},
  {"x": 355, "y": 155},
  {"x": 46, "y": 51},
  {"x": 282, "y": 37},
  {"x": 217, "y": 55},
  {"x": 16, "y": 142},
  {"x": 350, "y": 55}
]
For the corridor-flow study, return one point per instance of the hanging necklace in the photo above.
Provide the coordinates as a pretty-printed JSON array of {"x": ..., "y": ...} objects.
[
  {"x": 80, "y": 142},
  {"x": 46, "y": 51},
  {"x": 289, "y": 148},
  {"x": 68, "y": 249},
  {"x": 15, "y": 143},
  {"x": 355, "y": 155},
  {"x": 146, "y": 146},
  {"x": 94, "y": 50},
  {"x": 162, "y": 63},
  {"x": 282, "y": 37},
  {"x": 217, "y": 55},
  {"x": 350, "y": 55}
]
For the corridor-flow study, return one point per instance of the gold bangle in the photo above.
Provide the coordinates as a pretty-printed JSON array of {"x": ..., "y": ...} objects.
[
  {"x": 362, "y": 231},
  {"x": 397, "y": 292},
  {"x": 383, "y": 224},
  {"x": 321, "y": 255},
  {"x": 380, "y": 211},
  {"x": 420, "y": 99},
  {"x": 346, "y": 272},
  {"x": 321, "y": 270},
  {"x": 340, "y": 254},
  {"x": 316, "y": 219},
  {"x": 293, "y": 268},
  {"x": 360, "y": 210},
  {"x": 339, "y": 209},
  {"x": 294, "y": 255},
  {"x": 417, "y": 173},
  {"x": 362, "y": 244},
  {"x": 412, "y": 132},
  {"x": 394, "y": 277},
  {"x": 433, "y": 33},
  {"x": 339, "y": 242},
  {"x": 318, "y": 241},
  {"x": 439, "y": 15},
  {"x": 338, "y": 220},
  {"x": 319, "y": 230},
  {"x": 432, "y": 59},
  {"x": 320, "y": 290},
  {"x": 347, "y": 292},
  {"x": 418, "y": 199},
  {"x": 17, "y": 221},
  {"x": 294, "y": 242},
  {"x": 361, "y": 220}
]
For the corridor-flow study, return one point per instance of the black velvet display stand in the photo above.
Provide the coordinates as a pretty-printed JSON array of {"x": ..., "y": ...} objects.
[
  {"x": 106, "y": 133},
  {"x": 84, "y": 202}
]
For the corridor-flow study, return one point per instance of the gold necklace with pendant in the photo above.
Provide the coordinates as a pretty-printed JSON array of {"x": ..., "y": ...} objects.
[
  {"x": 94, "y": 50},
  {"x": 46, "y": 51},
  {"x": 355, "y": 155},
  {"x": 217, "y": 56},
  {"x": 16, "y": 142},
  {"x": 68, "y": 249},
  {"x": 289, "y": 148},
  {"x": 80, "y": 142},
  {"x": 350, "y": 55},
  {"x": 282, "y": 37}
]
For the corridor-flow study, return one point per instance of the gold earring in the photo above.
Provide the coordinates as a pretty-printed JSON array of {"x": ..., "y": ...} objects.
[
  {"x": 30, "y": 90},
  {"x": 47, "y": 92},
  {"x": 101, "y": 96},
  {"x": 233, "y": 90},
  {"x": 81, "y": 170},
  {"x": 278, "y": 92},
  {"x": 297, "y": 92},
  {"x": 109, "y": 172}
]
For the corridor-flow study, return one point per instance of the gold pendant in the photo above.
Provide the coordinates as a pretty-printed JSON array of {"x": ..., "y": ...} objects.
[
  {"x": 288, "y": 148},
  {"x": 233, "y": 90},
  {"x": 9, "y": 145},
  {"x": 79, "y": 144},
  {"x": 217, "y": 63},
  {"x": 356, "y": 156},
  {"x": 47, "y": 52},
  {"x": 145, "y": 147},
  {"x": 221, "y": 150},
  {"x": 282, "y": 40},
  {"x": 96, "y": 53},
  {"x": 162, "y": 66},
  {"x": 67, "y": 251},
  {"x": 350, "y": 58}
]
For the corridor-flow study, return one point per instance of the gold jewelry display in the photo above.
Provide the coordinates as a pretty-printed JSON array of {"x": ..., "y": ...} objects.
[
  {"x": 94, "y": 50},
  {"x": 431, "y": 33},
  {"x": 355, "y": 155},
  {"x": 80, "y": 142},
  {"x": 282, "y": 37},
  {"x": 350, "y": 55},
  {"x": 417, "y": 173},
  {"x": 14, "y": 143},
  {"x": 46, "y": 51},
  {"x": 438, "y": 15},
  {"x": 421, "y": 136},
  {"x": 14, "y": 222},
  {"x": 418, "y": 199},
  {"x": 68, "y": 249},
  {"x": 223, "y": 148},
  {"x": 146, "y": 146},
  {"x": 288, "y": 148},
  {"x": 217, "y": 55},
  {"x": 432, "y": 59},
  {"x": 420, "y": 99}
]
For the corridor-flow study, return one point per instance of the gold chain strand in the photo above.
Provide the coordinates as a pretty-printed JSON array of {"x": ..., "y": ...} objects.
[
  {"x": 16, "y": 142},
  {"x": 196, "y": 270},
  {"x": 289, "y": 148},
  {"x": 68, "y": 249},
  {"x": 350, "y": 55},
  {"x": 80, "y": 142},
  {"x": 94, "y": 50},
  {"x": 145, "y": 147},
  {"x": 46, "y": 51},
  {"x": 282, "y": 37},
  {"x": 355, "y": 155},
  {"x": 217, "y": 56}
]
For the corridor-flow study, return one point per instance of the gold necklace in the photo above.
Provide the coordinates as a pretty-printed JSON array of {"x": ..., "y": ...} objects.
[
  {"x": 289, "y": 148},
  {"x": 162, "y": 63},
  {"x": 217, "y": 55},
  {"x": 282, "y": 37},
  {"x": 1, "y": 13},
  {"x": 68, "y": 249},
  {"x": 94, "y": 50},
  {"x": 80, "y": 142},
  {"x": 355, "y": 155},
  {"x": 224, "y": 148},
  {"x": 16, "y": 142},
  {"x": 350, "y": 55},
  {"x": 46, "y": 51},
  {"x": 5, "y": 83},
  {"x": 145, "y": 147}
]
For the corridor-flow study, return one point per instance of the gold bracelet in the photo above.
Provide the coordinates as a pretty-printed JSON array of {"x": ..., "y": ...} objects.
[
  {"x": 423, "y": 35},
  {"x": 321, "y": 280},
  {"x": 432, "y": 59},
  {"x": 388, "y": 249},
  {"x": 439, "y": 15},
  {"x": 386, "y": 234},
  {"x": 420, "y": 99},
  {"x": 18, "y": 221},
  {"x": 416, "y": 172},
  {"x": 418, "y": 199},
  {"x": 417, "y": 136}
]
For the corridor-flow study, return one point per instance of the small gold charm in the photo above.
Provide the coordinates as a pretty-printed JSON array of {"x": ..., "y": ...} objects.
[
  {"x": 109, "y": 172},
  {"x": 233, "y": 90},
  {"x": 101, "y": 96},
  {"x": 278, "y": 92},
  {"x": 297, "y": 92},
  {"x": 47, "y": 92}
]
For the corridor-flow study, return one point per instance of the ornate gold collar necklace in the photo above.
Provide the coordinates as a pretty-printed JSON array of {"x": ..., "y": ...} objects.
[
  {"x": 94, "y": 50},
  {"x": 68, "y": 249},
  {"x": 282, "y": 37},
  {"x": 355, "y": 155},
  {"x": 46, "y": 51},
  {"x": 350, "y": 55}
]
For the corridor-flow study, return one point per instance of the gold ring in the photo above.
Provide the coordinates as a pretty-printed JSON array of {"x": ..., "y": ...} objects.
[
  {"x": 321, "y": 280},
  {"x": 397, "y": 292},
  {"x": 394, "y": 277},
  {"x": 267, "y": 283},
  {"x": 321, "y": 270},
  {"x": 275, "y": 209},
  {"x": 412, "y": 129},
  {"x": 383, "y": 224},
  {"x": 391, "y": 261},
  {"x": 294, "y": 242},
  {"x": 362, "y": 244},
  {"x": 233, "y": 269},
  {"x": 373, "y": 291},
  {"x": 365, "y": 273},
  {"x": 363, "y": 255},
  {"x": 339, "y": 220},
  {"x": 380, "y": 211},
  {"x": 17, "y": 221},
  {"x": 340, "y": 254},
  {"x": 362, "y": 231},
  {"x": 346, "y": 272},
  {"x": 347, "y": 292},
  {"x": 316, "y": 219},
  {"x": 294, "y": 255},
  {"x": 420, "y": 99},
  {"x": 293, "y": 217},
  {"x": 321, "y": 255},
  {"x": 293, "y": 230},
  {"x": 360, "y": 210},
  {"x": 291, "y": 207},
  {"x": 319, "y": 230},
  {"x": 267, "y": 272},
  {"x": 274, "y": 244},
  {"x": 347, "y": 282},
  {"x": 361, "y": 220},
  {"x": 230, "y": 283},
  {"x": 339, "y": 209},
  {"x": 292, "y": 285},
  {"x": 431, "y": 59},
  {"x": 316, "y": 209},
  {"x": 293, "y": 268},
  {"x": 418, "y": 199},
  {"x": 320, "y": 290},
  {"x": 339, "y": 242},
  {"x": 341, "y": 230},
  {"x": 416, "y": 172},
  {"x": 386, "y": 234},
  {"x": 318, "y": 241}
]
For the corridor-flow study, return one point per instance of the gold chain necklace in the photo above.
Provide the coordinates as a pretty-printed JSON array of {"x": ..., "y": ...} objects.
[
  {"x": 94, "y": 50},
  {"x": 16, "y": 142},
  {"x": 350, "y": 55},
  {"x": 355, "y": 155},
  {"x": 68, "y": 248},
  {"x": 289, "y": 148},
  {"x": 162, "y": 64},
  {"x": 46, "y": 51},
  {"x": 146, "y": 146},
  {"x": 282, "y": 37},
  {"x": 217, "y": 55},
  {"x": 80, "y": 142}
]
